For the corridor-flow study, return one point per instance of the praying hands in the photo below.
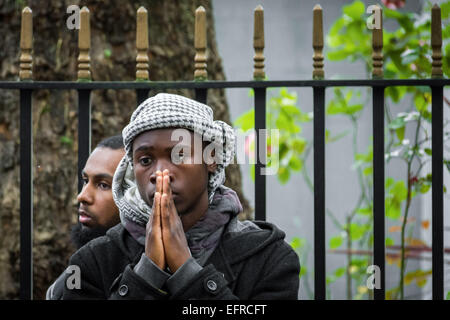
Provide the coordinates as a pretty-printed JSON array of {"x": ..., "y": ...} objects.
[{"x": 165, "y": 242}]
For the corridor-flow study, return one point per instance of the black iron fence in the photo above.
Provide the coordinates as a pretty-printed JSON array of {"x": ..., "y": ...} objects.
[{"x": 201, "y": 86}]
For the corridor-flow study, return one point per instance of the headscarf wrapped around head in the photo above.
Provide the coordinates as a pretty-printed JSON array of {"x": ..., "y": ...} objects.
[{"x": 168, "y": 111}]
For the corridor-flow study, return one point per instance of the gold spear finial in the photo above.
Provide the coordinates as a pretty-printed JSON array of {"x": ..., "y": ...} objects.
[
  {"x": 200, "y": 72},
  {"x": 84, "y": 44},
  {"x": 377, "y": 45},
  {"x": 436, "y": 42},
  {"x": 26, "y": 45},
  {"x": 258, "y": 44},
  {"x": 142, "y": 60},
  {"x": 318, "y": 72}
]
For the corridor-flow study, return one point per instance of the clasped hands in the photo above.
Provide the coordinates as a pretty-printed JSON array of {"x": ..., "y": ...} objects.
[{"x": 165, "y": 241}]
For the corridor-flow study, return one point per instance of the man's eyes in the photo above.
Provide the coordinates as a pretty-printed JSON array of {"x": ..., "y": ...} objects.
[
  {"x": 101, "y": 185},
  {"x": 104, "y": 186},
  {"x": 145, "y": 161}
]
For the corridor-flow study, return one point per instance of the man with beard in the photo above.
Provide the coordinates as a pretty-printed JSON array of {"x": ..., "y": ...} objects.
[{"x": 97, "y": 210}]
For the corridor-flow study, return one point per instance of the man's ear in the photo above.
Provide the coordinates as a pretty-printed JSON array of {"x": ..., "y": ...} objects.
[
  {"x": 210, "y": 153},
  {"x": 212, "y": 167}
]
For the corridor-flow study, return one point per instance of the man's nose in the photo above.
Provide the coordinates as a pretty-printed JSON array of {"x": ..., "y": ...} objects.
[
  {"x": 85, "y": 195},
  {"x": 161, "y": 167}
]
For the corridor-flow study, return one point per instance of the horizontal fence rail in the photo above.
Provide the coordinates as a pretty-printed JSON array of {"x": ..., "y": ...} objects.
[
  {"x": 162, "y": 85},
  {"x": 143, "y": 87}
]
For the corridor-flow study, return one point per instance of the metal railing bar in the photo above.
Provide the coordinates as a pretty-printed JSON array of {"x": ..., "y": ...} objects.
[
  {"x": 319, "y": 194},
  {"x": 437, "y": 196},
  {"x": 97, "y": 85},
  {"x": 26, "y": 195},
  {"x": 84, "y": 131},
  {"x": 260, "y": 179},
  {"x": 201, "y": 95},
  {"x": 141, "y": 95},
  {"x": 378, "y": 188}
]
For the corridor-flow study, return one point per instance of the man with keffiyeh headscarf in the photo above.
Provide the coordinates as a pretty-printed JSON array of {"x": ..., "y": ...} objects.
[{"x": 179, "y": 236}]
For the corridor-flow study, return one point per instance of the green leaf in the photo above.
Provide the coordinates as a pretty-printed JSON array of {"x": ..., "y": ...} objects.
[
  {"x": 427, "y": 151},
  {"x": 424, "y": 187},
  {"x": 357, "y": 231},
  {"x": 354, "y": 108},
  {"x": 299, "y": 145},
  {"x": 364, "y": 211},
  {"x": 368, "y": 171},
  {"x": 395, "y": 93},
  {"x": 355, "y": 10},
  {"x": 336, "y": 28},
  {"x": 337, "y": 55},
  {"x": 399, "y": 191},
  {"x": 339, "y": 272},
  {"x": 400, "y": 133},
  {"x": 448, "y": 296},
  {"x": 66, "y": 140},
  {"x": 295, "y": 163},
  {"x": 389, "y": 182},
  {"x": 291, "y": 110},
  {"x": 330, "y": 279},
  {"x": 283, "y": 175},
  {"x": 335, "y": 242},
  {"x": 297, "y": 243},
  {"x": 303, "y": 271},
  {"x": 107, "y": 53},
  {"x": 397, "y": 123},
  {"x": 389, "y": 13},
  {"x": 392, "y": 210},
  {"x": 447, "y": 164},
  {"x": 246, "y": 121},
  {"x": 420, "y": 103},
  {"x": 445, "y": 10},
  {"x": 389, "y": 241}
]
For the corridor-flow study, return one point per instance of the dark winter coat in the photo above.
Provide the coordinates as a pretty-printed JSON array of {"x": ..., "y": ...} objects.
[{"x": 249, "y": 263}]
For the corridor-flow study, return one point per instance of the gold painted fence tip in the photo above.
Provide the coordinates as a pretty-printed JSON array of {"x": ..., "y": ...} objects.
[
  {"x": 200, "y": 71},
  {"x": 26, "y": 45}
]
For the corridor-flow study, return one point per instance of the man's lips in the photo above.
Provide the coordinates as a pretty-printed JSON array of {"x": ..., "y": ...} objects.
[{"x": 84, "y": 217}]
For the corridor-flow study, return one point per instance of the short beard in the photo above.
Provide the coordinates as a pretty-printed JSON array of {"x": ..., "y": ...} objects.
[{"x": 80, "y": 234}]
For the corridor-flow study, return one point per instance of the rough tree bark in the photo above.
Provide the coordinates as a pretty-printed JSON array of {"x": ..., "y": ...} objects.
[{"x": 171, "y": 34}]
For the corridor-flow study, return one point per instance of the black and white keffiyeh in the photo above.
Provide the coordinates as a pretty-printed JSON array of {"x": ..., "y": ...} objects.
[{"x": 168, "y": 111}]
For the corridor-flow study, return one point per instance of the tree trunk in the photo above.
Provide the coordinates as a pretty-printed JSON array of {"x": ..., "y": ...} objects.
[{"x": 113, "y": 54}]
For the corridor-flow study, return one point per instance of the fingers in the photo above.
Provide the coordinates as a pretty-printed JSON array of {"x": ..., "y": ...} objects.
[
  {"x": 165, "y": 212},
  {"x": 166, "y": 186},
  {"x": 156, "y": 216},
  {"x": 159, "y": 182}
]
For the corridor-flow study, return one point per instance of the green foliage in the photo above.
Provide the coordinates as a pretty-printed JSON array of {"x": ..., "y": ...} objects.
[
  {"x": 65, "y": 140},
  {"x": 283, "y": 114},
  {"x": 107, "y": 53},
  {"x": 340, "y": 104},
  {"x": 335, "y": 242},
  {"x": 407, "y": 55}
]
